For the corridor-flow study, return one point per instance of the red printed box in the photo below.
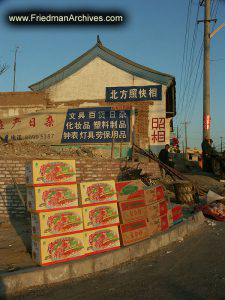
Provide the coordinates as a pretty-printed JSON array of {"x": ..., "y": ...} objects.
[
  {"x": 154, "y": 194},
  {"x": 132, "y": 210},
  {"x": 157, "y": 209},
  {"x": 177, "y": 212},
  {"x": 127, "y": 190},
  {"x": 158, "y": 224},
  {"x": 170, "y": 217},
  {"x": 134, "y": 232}
]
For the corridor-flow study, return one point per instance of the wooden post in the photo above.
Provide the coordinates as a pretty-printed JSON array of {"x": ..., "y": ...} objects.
[
  {"x": 121, "y": 143},
  {"x": 113, "y": 142}
]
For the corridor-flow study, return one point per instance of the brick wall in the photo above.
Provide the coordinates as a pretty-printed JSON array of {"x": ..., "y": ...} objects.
[{"x": 87, "y": 170}]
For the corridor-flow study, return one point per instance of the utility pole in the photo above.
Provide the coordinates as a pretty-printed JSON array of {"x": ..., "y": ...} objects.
[
  {"x": 185, "y": 136},
  {"x": 177, "y": 132},
  {"x": 14, "y": 73},
  {"x": 206, "y": 73},
  {"x": 221, "y": 144}
]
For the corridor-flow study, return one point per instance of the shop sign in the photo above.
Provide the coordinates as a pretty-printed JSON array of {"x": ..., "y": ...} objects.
[
  {"x": 133, "y": 93},
  {"x": 96, "y": 125},
  {"x": 158, "y": 130}
]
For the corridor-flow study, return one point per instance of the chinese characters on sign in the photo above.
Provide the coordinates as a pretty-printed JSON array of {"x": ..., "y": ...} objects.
[
  {"x": 158, "y": 130},
  {"x": 96, "y": 125},
  {"x": 22, "y": 128},
  {"x": 133, "y": 93}
]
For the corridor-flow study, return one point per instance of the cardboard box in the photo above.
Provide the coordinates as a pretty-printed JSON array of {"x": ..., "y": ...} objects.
[
  {"x": 170, "y": 217},
  {"x": 96, "y": 192},
  {"x": 47, "y": 198},
  {"x": 154, "y": 226},
  {"x": 177, "y": 212},
  {"x": 134, "y": 232},
  {"x": 47, "y": 172},
  {"x": 154, "y": 194},
  {"x": 58, "y": 249},
  {"x": 156, "y": 209},
  {"x": 127, "y": 190},
  {"x": 53, "y": 223},
  {"x": 132, "y": 210},
  {"x": 101, "y": 215},
  {"x": 164, "y": 222},
  {"x": 158, "y": 224},
  {"x": 101, "y": 240}
]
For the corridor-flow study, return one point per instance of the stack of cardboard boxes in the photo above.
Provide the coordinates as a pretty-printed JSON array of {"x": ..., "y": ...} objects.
[
  {"x": 144, "y": 211},
  {"x": 56, "y": 220},
  {"x": 133, "y": 213},
  {"x": 69, "y": 221},
  {"x": 101, "y": 218},
  {"x": 157, "y": 209}
]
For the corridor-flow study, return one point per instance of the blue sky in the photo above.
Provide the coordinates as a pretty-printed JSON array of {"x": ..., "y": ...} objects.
[{"x": 153, "y": 35}]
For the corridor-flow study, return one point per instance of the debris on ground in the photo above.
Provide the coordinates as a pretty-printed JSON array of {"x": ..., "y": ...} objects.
[
  {"x": 27, "y": 149},
  {"x": 210, "y": 223}
]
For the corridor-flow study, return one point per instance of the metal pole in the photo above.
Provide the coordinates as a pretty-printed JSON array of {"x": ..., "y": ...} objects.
[
  {"x": 221, "y": 144},
  {"x": 206, "y": 80},
  {"x": 14, "y": 70}
]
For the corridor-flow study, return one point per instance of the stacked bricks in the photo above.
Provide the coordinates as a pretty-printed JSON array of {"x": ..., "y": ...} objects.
[
  {"x": 10, "y": 202},
  {"x": 87, "y": 170}
]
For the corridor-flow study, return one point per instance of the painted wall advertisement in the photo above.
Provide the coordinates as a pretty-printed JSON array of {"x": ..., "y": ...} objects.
[{"x": 77, "y": 125}]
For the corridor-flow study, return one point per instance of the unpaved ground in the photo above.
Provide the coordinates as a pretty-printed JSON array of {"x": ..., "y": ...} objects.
[{"x": 15, "y": 245}]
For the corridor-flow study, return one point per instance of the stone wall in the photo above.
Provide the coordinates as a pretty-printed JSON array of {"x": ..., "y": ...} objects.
[{"x": 87, "y": 170}]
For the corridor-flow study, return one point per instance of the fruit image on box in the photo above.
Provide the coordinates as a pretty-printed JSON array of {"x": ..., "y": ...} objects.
[
  {"x": 47, "y": 198},
  {"x": 100, "y": 215},
  {"x": 101, "y": 240},
  {"x": 156, "y": 209},
  {"x": 97, "y": 192},
  {"x": 127, "y": 190},
  {"x": 44, "y": 172},
  {"x": 46, "y": 224},
  {"x": 134, "y": 232},
  {"x": 58, "y": 249},
  {"x": 132, "y": 210},
  {"x": 154, "y": 194}
]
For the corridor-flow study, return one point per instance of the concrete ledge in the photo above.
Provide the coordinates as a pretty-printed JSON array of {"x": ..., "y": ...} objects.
[{"x": 17, "y": 281}]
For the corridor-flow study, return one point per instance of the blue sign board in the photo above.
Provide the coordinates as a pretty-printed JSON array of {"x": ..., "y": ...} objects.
[
  {"x": 96, "y": 125},
  {"x": 133, "y": 93}
]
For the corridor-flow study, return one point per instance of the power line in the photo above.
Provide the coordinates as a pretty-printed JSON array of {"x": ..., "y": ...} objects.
[
  {"x": 185, "y": 47},
  {"x": 189, "y": 68}
]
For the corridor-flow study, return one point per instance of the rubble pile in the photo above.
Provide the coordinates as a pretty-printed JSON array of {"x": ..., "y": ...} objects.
[{"x": 26, "y": 150}]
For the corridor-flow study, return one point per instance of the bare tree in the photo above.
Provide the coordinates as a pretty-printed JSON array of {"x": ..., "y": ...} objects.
[{"x": 3, "y": 68}]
